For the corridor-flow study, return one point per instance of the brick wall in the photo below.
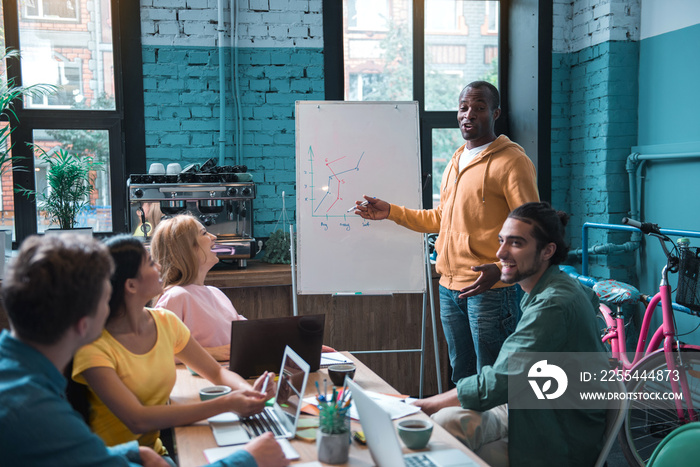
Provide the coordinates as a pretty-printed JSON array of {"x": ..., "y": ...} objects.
[
  {"x": 595, "y": 65},
  {"x": 280, "y": 61}
]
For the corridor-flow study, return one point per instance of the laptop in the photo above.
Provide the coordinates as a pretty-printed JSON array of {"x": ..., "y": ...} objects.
[
  {"x": 281, "y": 418},
  {"x": 383, "y": 441},
  {"x": 257, "y": 345}
]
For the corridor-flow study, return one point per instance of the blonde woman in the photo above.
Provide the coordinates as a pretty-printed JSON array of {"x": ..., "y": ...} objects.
[
  {"x": 130, "y": 368},
  {"x": 183, "y": 248}
]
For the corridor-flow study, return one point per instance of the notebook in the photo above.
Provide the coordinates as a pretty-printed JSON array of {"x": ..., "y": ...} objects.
[
  {"x": 333, "y": 358},
  {"x": 383, "y": 441},
  {"x": 257, "y": 345},
  {"x": 281, "y": 418}
]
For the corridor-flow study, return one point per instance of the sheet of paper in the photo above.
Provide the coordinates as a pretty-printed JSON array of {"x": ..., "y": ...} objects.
[
  {"x": 333, "y": 358},
  {"x": 216, "y": 454},
  {"x": 394, "y": 406}
]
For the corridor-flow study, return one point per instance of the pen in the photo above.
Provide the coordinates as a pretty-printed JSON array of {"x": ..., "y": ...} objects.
[
  {"x": 267, "y": 380},
  {"x": 364, "y": 203}
]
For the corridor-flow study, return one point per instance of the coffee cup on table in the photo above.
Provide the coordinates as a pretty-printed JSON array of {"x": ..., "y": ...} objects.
[
  {"x": 415, "y": 433},
  {"x": 211, "y": 392},
  {"x": 338, "y": 372}
]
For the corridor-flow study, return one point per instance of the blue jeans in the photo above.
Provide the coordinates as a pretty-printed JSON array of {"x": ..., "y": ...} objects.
[{"x": 476, "y": 327}]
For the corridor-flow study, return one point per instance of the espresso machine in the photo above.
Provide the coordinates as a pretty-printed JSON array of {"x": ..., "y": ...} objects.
[{"x": 220, "y": 197}]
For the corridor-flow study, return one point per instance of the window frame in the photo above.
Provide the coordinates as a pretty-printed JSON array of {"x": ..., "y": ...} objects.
[
  {"x": 124, "y": 124},
  {"x": 428, "y": 120}
]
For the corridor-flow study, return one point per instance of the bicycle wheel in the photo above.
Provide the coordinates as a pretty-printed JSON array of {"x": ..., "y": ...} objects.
[{"x": 649, "y": 421}]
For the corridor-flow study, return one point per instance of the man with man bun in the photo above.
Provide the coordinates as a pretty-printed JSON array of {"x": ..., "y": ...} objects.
[{"x": 558, "y": 316}]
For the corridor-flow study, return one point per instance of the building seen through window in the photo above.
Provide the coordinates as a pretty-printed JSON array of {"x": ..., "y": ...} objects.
[{"x": 460, "y": 43}]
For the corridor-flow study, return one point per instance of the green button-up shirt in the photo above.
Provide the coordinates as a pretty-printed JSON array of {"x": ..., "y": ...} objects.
[{"x": 559, "y": 315}]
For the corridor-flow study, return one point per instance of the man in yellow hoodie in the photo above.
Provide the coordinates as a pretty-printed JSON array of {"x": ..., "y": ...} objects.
[{"x": 487, "y": 178}]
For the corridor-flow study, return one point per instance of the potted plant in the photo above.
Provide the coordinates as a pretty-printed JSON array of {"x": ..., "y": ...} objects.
[
  {"x": 277, "y": 248},
  {"x": 70, "y": 181}
]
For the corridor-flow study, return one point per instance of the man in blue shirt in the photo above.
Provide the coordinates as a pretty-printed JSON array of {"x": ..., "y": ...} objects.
[{"x": 56, "y": 294}]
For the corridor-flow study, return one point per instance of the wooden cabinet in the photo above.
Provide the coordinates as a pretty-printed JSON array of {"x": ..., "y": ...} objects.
[{"x": 362, "y": 323}]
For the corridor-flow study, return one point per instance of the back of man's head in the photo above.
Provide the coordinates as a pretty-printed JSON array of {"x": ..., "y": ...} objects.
[
  {"x": 52, "y": 283},
  {"x": 548, "y": 226}
]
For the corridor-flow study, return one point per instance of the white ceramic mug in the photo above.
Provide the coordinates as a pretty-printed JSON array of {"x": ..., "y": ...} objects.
[
  {"x": 173, "y": 168},
  {"x": 157, "y": 169},
  {"x": 210, "y": 392}
]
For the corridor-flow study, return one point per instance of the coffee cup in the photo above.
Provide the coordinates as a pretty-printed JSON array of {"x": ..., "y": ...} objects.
[
  {"x": 211, "y": 392},
  {"x": 156, "y": 169},
  {"x": 415, "y": 433},
  {"x": 173, "y": 168},
  {"x": 338, "y": 372}
]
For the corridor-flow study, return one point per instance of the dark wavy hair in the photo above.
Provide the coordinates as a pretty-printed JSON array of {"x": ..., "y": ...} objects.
[
  {"x": 54, "y": 282},
  {"x": 548, "y": 227},
  {"x": 128, "y": 253}
]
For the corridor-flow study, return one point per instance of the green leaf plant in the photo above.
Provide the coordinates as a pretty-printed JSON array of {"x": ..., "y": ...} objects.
[
  {"x": 277, "y": 248},
  {"x": 69, "y": 183}
]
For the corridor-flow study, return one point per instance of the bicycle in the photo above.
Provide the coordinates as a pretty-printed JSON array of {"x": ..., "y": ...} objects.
[{"x": 666, "y": 365}]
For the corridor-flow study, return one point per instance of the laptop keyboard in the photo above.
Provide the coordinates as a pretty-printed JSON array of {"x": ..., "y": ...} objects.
[
  {"x": 262, "y": 423},
  {"x": 419, "y": 461}
]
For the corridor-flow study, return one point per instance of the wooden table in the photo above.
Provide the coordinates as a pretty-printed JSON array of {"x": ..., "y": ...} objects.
[{"x": 190, "y": 441}]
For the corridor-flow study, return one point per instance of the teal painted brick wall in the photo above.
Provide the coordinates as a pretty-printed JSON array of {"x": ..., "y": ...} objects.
[
  {"x": 181, "y": 92},
  {"x": 594, "y": 120}
]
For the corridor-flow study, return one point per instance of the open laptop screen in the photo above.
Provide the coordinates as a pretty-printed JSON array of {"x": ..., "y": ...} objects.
[
  {"x": 290, "y": 389},
  {"x": 257, "y": 345}
]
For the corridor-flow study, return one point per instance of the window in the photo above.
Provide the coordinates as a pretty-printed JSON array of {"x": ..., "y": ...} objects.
[
  {"x": 369, "y": 15},
  {"x": 90, "y": 115},
  {"x": 51, "y": 9},
  {"x": 490, "y": 54},
  {"x": 491, "y": 18},
  {"x": 387, "y": 55},
  {"x": 379, "y": 60},
  {"x": 444, "y": 16}
]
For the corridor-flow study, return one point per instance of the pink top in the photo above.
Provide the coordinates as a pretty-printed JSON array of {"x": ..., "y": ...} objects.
[{"x": 205, "y": 310}]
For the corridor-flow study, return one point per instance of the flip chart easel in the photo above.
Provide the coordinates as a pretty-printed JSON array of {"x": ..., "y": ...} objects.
[{"x": 343, "y": 151}]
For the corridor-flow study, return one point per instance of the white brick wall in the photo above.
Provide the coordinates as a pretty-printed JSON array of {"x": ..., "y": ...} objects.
[
  {"x": 261, "y": 23},
  {"x": 582, "y": 23}
]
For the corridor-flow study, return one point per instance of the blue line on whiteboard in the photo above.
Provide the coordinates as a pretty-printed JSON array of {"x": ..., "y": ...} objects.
[
  {"x": 331, "y": 196},
  {"x": 321, "y": 202}
]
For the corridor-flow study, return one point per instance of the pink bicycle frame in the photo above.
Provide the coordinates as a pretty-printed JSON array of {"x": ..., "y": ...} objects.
[{"x": 615, "y": 335}]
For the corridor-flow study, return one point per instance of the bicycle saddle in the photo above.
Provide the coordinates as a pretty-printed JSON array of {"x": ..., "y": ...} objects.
[{"x": 616, "y": 292}]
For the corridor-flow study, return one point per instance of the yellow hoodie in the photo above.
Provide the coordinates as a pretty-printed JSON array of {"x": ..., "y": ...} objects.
[{"x": 474, "y": 204}]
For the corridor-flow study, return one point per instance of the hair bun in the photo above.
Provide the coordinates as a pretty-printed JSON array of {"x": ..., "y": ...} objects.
[{"x": 563, "y": 217}]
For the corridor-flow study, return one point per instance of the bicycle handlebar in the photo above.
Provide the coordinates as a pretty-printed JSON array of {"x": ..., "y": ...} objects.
[{"x": 646, "y": 227}]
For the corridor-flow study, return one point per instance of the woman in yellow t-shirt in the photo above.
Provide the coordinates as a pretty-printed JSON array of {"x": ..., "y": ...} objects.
[{"x": 130, "y": 369}]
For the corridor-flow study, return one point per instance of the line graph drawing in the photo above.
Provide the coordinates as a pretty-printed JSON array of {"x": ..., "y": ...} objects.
[{"x": 338, "y": 170}]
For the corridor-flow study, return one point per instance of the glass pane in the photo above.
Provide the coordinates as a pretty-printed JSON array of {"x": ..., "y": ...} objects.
[
  {"x": 79, "y": 143},
  {"x": 445, "y": 143},
  {"x": 7, "y": 202},
  {"x": 69, "y": 44},
  {"x": 377, "y": 40},
  {"x": 461, "y": 46}
]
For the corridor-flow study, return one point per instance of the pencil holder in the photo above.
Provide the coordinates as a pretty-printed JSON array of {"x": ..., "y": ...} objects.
[
  {"x": 333, "y": 435},
  {"x": 334, "y": 448}
]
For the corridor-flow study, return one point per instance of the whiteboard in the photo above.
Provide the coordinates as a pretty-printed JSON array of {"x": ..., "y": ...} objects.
[{"x": 345, "y": 150}]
